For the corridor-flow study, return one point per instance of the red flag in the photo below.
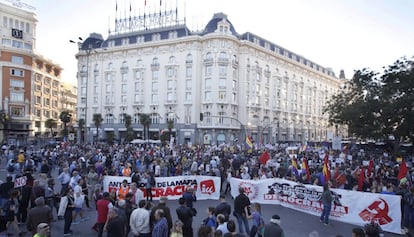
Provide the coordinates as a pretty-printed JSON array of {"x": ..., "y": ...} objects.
[
  {"x": 361, "y": 178},
  {"x": 370, "y": 167},
  {"x": 264, "y": 157},
  {"x": 306, "y": 167},
  {"x": 402, "y": 173},
  {"x": 326, "y": 170}
]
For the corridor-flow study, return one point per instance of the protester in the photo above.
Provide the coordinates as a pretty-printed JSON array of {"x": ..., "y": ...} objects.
[
  {"x": 166, "y": 212},
  {"x": 177, "y": 230},
  {"x": 190, "y": 197},
  {"x": 241, "y": 211},
  {"x": 185, "y": 215},
  {"x": 326, "y": 199},
  {"x": 223, "y": 208},
  {"x": 42, "y": 230},
  {"x": 103, "y": 205},
  {"x": 222, "y": 224},
  {"x": 41, "y": 213},
  {"x": 115, "y": 224},
  {"x": 273, "y": 228},
  {"x": 140, "y": 220},
  {"x": 65, "y": 209},
  {"x": 161, "y": 224}
]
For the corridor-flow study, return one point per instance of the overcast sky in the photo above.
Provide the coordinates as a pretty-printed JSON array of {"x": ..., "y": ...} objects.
[{"x": 341, "y": 34}]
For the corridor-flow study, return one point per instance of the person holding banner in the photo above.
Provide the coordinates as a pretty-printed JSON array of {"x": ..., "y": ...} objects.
[{"x": 326, "y": 199}]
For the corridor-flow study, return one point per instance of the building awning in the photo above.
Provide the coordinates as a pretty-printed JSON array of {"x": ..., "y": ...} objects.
[{"x": 109, "y": 129}]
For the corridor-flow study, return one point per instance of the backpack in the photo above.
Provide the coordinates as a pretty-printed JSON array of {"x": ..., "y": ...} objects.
[{"x": 10, "y": 168}]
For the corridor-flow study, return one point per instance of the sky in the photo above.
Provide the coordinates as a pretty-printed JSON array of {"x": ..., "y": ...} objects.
[{"x": 340, "y": 34}]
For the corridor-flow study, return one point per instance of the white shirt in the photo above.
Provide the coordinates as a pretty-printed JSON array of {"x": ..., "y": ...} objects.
[
  {"x": 157, "y": 171},
  {"x": 139, "y": 195},
  {"x": 223, "y": 228},
  {"x": 139, "y": 221}
]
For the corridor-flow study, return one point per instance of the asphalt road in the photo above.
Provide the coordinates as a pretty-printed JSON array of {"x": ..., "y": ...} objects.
[{"x": 294, "y": 223}]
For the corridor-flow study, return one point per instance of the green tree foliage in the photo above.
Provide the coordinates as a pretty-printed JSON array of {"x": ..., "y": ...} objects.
[
  {"x": 145, "y": 120},
  {"x": 65, "y": 117},
  {"x": 97, "y": 120},
  {"x": 376, "y": 106},
  {"x": 129, "y": 131},
  {"x": 50, "y": 124}
]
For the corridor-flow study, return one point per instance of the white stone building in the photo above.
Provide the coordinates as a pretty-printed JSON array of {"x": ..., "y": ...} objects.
[{"x": 240, "y": 84}]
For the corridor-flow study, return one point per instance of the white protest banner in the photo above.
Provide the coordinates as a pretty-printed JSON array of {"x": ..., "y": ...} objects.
[
  {"x": 20, "y": 182},
  {"x": 206, "y": 187},
  {"x": 352, "y": 207}
]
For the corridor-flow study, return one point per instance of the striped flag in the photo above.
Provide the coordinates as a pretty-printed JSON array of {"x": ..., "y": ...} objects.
[
  {"x": 305, "y": 166},
  {"x": 326, "y": 169},
  {"x": 249, "y": 144},
  {"x": 295, "y": 167}
]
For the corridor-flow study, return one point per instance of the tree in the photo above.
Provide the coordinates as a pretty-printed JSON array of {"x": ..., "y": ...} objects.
[
  {"x": 4, "y": 121},
  {"x": 65, "y": 117},
  {"x": 97, "y": 120},
  {"x": 374, "y": 106},
  {"x": 129, "y": 132},
  {"x": 81, "y": 125},
  {"x": 145, "y": 120},
  {"x": 51, "y": 123}
]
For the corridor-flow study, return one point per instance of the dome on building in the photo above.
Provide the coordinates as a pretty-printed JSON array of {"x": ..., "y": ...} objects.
[
  {"x": 212, "y": 24},
  {"x": 92, "y": 42}
]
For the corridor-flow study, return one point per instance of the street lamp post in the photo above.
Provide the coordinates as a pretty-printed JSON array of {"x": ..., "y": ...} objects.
[{"x": 88, "y": 51}]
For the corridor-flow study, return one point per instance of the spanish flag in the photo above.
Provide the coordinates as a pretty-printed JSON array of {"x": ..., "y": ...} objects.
[
  {"x": 326, "y": 170},
  {"x": 295, "y": 167},
  {"x": 306, "y": 168},
  {"x": 249, "y": 144}
]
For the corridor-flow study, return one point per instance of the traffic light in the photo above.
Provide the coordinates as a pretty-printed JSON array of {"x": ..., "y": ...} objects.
[{"x": 201, "y": 116}]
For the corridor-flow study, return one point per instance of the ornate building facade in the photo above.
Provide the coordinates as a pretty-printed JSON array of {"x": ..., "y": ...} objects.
[
  {"x": 31, "y": 84},
  {"x": 216, "y": 85}
]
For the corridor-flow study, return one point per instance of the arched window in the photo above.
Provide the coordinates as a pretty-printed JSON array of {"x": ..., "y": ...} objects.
[
  {"x": 83, "y": 69},
  {"x": 223, "y": 55},
  {"x": 96, "y": 68},
  {"x": 124, "y": 64},
  {"x": 171, "y": 60},
  {"x": 189, "y": 58},
  {"x": 155, "y": 61},
  {"x": 139, "y": 63},
  {"x": 110, "y": 66},
  {"x": 209, "y": 55}
]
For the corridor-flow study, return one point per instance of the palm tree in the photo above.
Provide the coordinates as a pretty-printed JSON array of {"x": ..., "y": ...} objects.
[
  {"x": 97, "y": 120},
  {"x": 4, "y": 121},
  {"x": 145, "y": 120},
  {"x": 81, "y": 125},
  {"x": 127, "y": 123},
  {"x": 51, "y": 123},
  {"x": 65, "y": 117}
]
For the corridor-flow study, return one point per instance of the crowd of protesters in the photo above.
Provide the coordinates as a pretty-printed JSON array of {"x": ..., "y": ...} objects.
[{"x": 81, "y": 170}]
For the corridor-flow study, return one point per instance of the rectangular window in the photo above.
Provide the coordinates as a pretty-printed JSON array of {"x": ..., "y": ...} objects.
[
  {"x": 223, "y": 70},
  {"x": 17, "y": 96},
  {"x": 47, "y": 113},
  {"x": 188, "y": 71},
  {"x": 207, "y": 83},
  {"x": 6, "y": 41},
  {"x": 222, "y": 95},
  {"x": 17, "y": 111},
  {"x": 108, "y": 88},
  {"x": 123, "y": 99},
  {"x": 17, "y": 60},
  {"x": 5, "y": 21},
  {"x": 54, "y": 103},
  {"x": 108, "y": 99},
  {"x": 95, "y": 90},
  {"x": 138, "y": 75},
  {"x": 46, "y": 102},
  {"x": 155, "y": 75},
  {"x": 17, "y": 44},
  {"x": 209, "y": 70},
  {"x": 95, "y": 100},
  {"x": 38, "y": 100},
  {"x": 38, "y": 113},
  {"x": 124, "y": 77},
  {"x": 170, "y": 84},
  {"x": 108, "y": 77},
  {"x": 46, "y": 90},
  {"x": 154, "y": 86},
  {"x": 16, "y": 83},
  {"x": 38, "y": 87},
  {"x": 137, "y": 87},
  {"x": 207, "y": 96},
  {"x": 188, "y": 84},
  {"x": 27, "y": 28},
  {"x": 170, "y": 96},
  {"x": 233, "y": 97},
  {"x": 83, "y": 91},
  {"x": 16, "y": 72},
  {"x": 222, "y": 82},
  {"x": 123, "y": 88},
  {"x": 96, "y": 79},
  {"x": 170, "y": 72},
  {"x": 154, "y": 98},
  {"x": 188, "y": 96}
]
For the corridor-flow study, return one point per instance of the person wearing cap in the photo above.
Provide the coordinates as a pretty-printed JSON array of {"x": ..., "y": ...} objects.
[
  {"x": 43, "y": 230},
  {"x": 273, "y": 228},
  {"x": 102, "y": 205}
]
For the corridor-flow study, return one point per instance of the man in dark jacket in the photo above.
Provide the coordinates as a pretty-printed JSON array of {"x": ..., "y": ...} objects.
[
  {"x": 41, "y": 213},
  {"x": 185, "y": 215},
  {"x": 5, "y": 189},
  {"x": 166, "y": 210},
  {"x": 273, "y": 228},
  {"x": 241, "y": 209},
  {"x": 190, "y": 197},
  {"x": 223, "y": 208}
]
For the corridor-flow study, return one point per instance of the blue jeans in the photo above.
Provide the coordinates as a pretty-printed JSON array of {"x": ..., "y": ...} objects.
[
  {"x": 325, "y": 212},
  {"x": 243, "y": 220}
]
